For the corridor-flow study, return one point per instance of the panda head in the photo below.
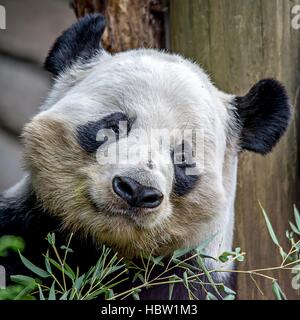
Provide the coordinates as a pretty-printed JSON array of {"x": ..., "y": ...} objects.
[{"x": 104, "y": 106}]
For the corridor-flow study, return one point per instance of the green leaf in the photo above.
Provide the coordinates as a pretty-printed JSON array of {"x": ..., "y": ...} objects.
[
  {"x": 42, "y": 297},
  {"x": 278, "y": 293},
  {"x": 47, "y": 263},
  {"x": 294, "y": 228},
  {"x": 136, "y": 276},
  {"x": 171, "y": 286},
  {"x": 51, "y": 238},
  {"x": 269, "y": 226},
  {"x": 297, "y": 217},
  {"x": 52, "y": 294},
  {"x": 135, "y": 295},
  {"x": 224, "y": 257},
  {"x": 208, "y": 275},
  {"x": 228, "y": 290},
  {"x": 65, "y": 295},
  {"x": 10, "y": 243},
  {"x": 40, "y": 272},
  {"x": 78, "y": 283},
  {"x": 210, "y": 296},
  {"x": 229, "y": 297},
  {"x": 205, "y": 243},
  {"x": 185, "y": 279},
  {"x": 10, "y": 292},
  {"x": 141, "y": 277},
  {"x": 180, "y": 252},
  {"x": 24, "y": 280},
  {"x": 158, "y": 260},
  {"x": 23, "y": 295},
  {"x": 240, "y": 258},
  {"x": 67, "y": 249},
  {"x": 71, "y": 273},
  {"x": 206, "y": 256},
  {"x": 109, "y": 294},
  {"x": 237, "y": 250},
  {"x": 60, "y": 268}
]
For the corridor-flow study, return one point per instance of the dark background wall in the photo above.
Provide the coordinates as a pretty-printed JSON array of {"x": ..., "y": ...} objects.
[{"x": 32, "y": 26}]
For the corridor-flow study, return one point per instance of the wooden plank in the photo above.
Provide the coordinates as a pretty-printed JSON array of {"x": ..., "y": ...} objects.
[
  {"x": 130, "y": 24},
  {"x": 240, "y": 42}
]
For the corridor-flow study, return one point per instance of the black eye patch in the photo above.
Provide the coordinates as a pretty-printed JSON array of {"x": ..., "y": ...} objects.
[
  {"x": 182, "y": 160},
  {"x": 87, "y": 133}
]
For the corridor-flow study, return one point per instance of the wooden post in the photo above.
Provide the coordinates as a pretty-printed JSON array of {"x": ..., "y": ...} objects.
[
  {"x": 130, "y": 23},
  {"x": 240, "y": 42}
]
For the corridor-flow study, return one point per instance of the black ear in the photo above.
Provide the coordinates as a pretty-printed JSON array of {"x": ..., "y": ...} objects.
[
  {"x": 264, "y": 113},
  {"x": 81, "y": 40}
]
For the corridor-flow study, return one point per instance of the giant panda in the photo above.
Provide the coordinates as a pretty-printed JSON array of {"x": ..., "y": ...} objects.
[{"x": 151, "y": 205}]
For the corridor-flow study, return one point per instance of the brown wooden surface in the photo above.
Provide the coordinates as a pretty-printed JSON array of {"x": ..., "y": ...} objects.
[
  {"x": 130, "y": 23},
  {"x": 240, "y": 42}
]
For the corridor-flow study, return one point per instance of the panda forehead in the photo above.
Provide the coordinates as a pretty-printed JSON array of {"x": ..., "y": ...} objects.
[
  {"x": 143, "y": 84},
  {"x": 162, "y": 72}
]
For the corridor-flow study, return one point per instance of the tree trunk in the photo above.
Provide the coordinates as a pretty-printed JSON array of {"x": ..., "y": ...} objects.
[
  {"x": 130, "y": 23},
  {"x": 240, "y": 42}
]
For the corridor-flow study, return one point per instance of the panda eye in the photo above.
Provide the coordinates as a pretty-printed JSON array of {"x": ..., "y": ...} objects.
[
  {"x": 115, "y": 129},
  {"x": 87, "y": 133},
  {"x": 184, "y": 181}
]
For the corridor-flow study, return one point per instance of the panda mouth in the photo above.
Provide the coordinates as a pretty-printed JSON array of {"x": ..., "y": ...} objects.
[{"x": 132, "y": 214}]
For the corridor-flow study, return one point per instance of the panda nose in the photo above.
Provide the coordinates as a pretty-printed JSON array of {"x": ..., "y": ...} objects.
[{"x": 136, "y": 194}]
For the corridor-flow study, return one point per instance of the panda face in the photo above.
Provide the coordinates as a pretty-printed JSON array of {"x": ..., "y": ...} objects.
[
  {"x": 104, "y": 108},
  {"x": 141, "y": 204}
]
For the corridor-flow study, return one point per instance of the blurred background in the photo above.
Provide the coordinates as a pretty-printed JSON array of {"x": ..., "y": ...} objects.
[
  {"x": 32, "y": 26},
  {"x": 237, "y": 41}
]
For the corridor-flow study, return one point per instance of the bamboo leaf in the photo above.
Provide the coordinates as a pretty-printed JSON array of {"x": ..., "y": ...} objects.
[
  {"x": 51, "y": 238},
  {"x": 71, "y": 273},
  {"x": 78, "y": 283},
  {"x": 42, "y": 297},
  {"x": 210, "y": 296},
  {"x": 185, "y": 279},
  {"x": 229, "y": 297},
  {"x": 25, "y": 292},
  {"x": 24, "y": 280},
  {"x": 278, "y": 293},
  {"x": 47, "y": 263},
  {"x": 65, "y": 295},
  {"x": 40, "y": 272},
  {"x": 228, "y": 290},
  {"x": 180, "y": 252},
  {"x": 109, "y": 294},
  {"x": 62, "y": 269},
  {"x": 208, "y": 275},
  {"x": 294, "y": 228},
  {"x": 297, "y": 217},
  {"x": 52, "y": 294},
  {"x": 269, "y": 226},
  {"x": 171, "y": 286},
  {"x": 158, "y": 260},
  {"x": 135, "y": 295},
  {"x": 69, "y": 250}
]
